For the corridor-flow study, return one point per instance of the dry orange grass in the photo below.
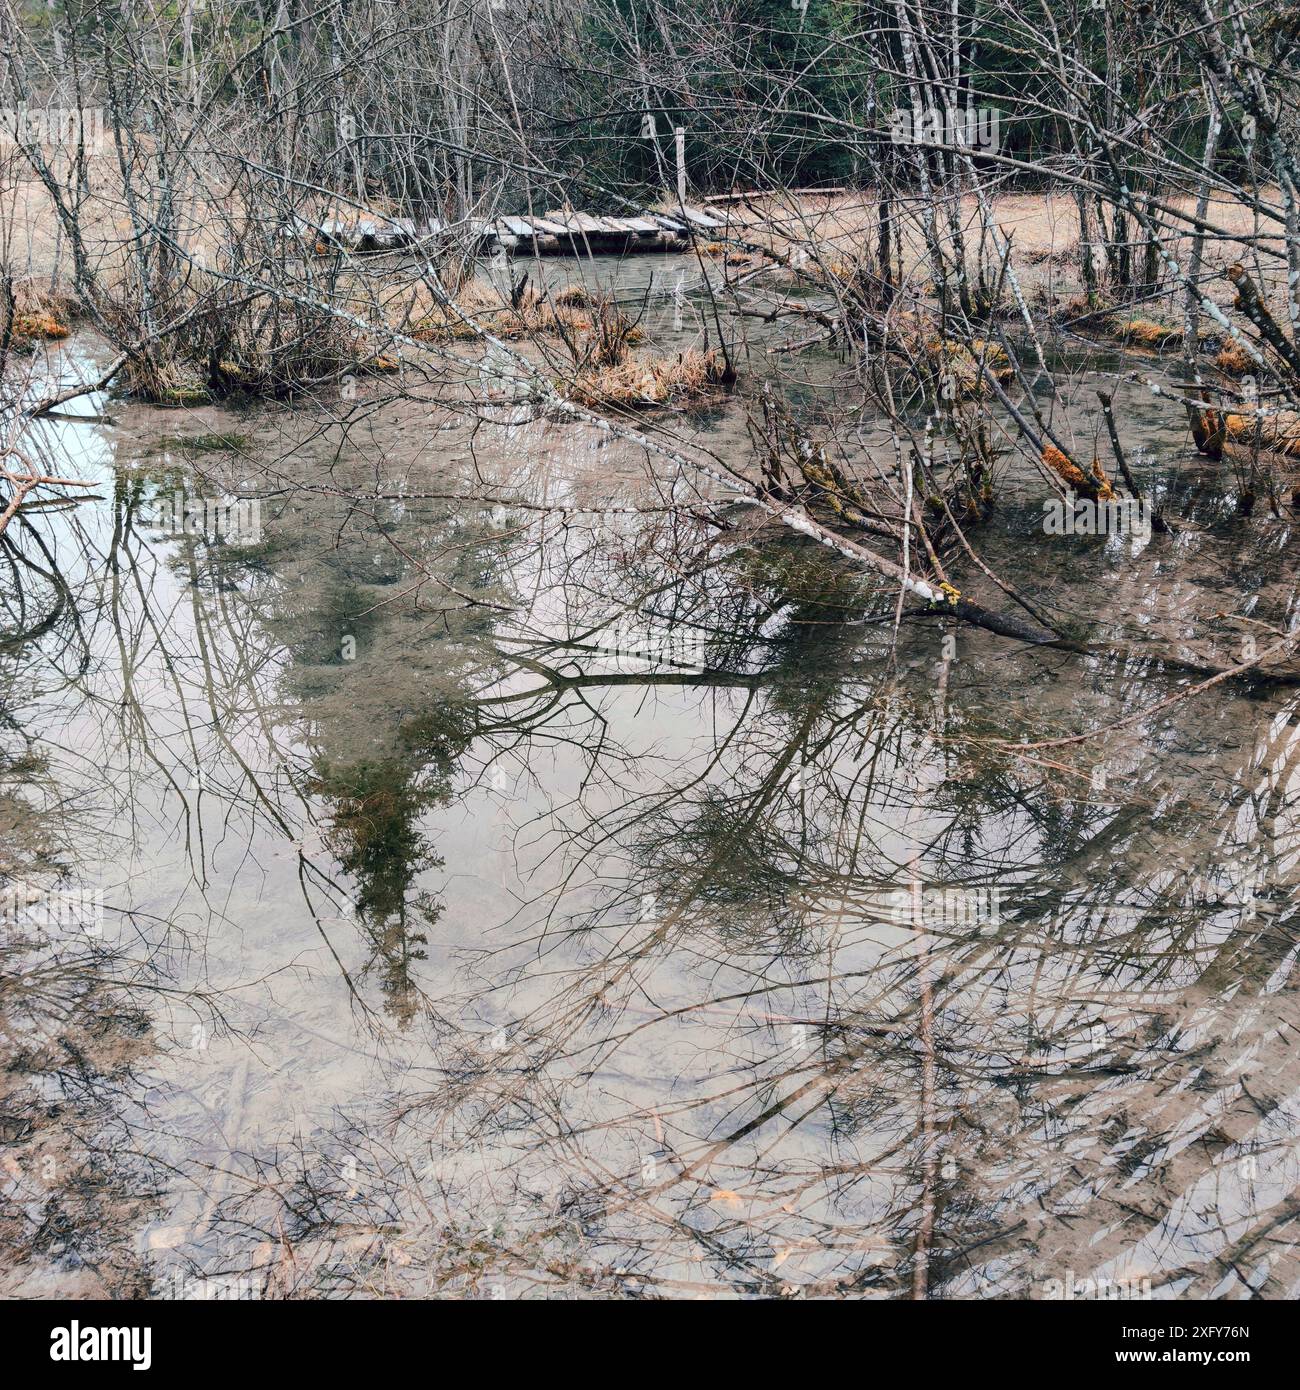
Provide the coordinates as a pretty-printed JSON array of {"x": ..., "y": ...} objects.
[
  {"x": 1276, "y": 434},
  {"x": 1243, "y": 432},
  {"x": 691, "y": 375},
  {"x": 1147, "y": 333},
  {"x": 40, "y": 315},
  {"x": 490, "y": 308},
  {"x": 962, "y": 364},
  {"x": 1233, "y": 360},
  {"x": 1097, "y": 485},
  {"x": 32, "y": 327}
]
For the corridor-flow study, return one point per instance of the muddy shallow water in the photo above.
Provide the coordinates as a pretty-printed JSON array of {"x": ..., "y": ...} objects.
[{"x": 476, "y": 904}]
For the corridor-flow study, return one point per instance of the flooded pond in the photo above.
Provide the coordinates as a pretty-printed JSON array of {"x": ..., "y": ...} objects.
[{"x": 471, "y": 871}]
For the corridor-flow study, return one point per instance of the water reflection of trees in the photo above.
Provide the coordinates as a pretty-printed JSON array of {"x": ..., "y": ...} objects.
[
  {"x": 707, "y": 1052},
  {"x": 75, "y": 996},
  {"x": 731, "y": 1076}
]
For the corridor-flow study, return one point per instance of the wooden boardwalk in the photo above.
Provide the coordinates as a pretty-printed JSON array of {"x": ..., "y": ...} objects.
[
  {"x": 557, "y": 233},
  {"x": 578, "y": 233}
]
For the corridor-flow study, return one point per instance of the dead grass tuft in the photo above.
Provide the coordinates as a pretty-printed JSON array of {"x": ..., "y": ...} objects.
[
  {"x": 574, "y": 297},
  {"x": 1276, "y": 434},
  {"x": 36, "y": 315},
  {"x": 691, "y": 375},
  {"x": 1233, "y": 359},
  {"x": 522, "y": 315},
  {"x": 39, "y": 326},
  {"x": 264, "y": 346},
  {"x": 961, "y": 364},
  {"x": 1094, "y": 484},
  {"x": 1147, "y": 333}
]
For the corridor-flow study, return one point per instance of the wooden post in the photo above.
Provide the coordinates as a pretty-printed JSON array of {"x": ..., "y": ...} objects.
[{"x": 680, "y": 134}]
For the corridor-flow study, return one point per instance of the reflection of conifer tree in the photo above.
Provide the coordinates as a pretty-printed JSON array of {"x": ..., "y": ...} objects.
[
  {"x": 355, "y": 680},
  {"x": 376, "y": 836}
]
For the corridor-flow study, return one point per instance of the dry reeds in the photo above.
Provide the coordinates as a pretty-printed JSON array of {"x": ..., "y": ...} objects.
[
  {"x": 479, "y": 305},
  {"x": 1147, "y": 333},
  {"x": 966, "y": 366},
  {"x": 265, "y": 345},
  {"x": 691, "y": 375},
  {"x": 1277, "y": 434}
]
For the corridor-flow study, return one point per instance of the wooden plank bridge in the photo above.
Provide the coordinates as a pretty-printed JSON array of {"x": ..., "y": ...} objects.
[{"x": 557, "y": 233}]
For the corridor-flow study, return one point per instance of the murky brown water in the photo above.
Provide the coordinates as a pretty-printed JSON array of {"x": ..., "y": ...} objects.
[{"x": 442, "y": 940}]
